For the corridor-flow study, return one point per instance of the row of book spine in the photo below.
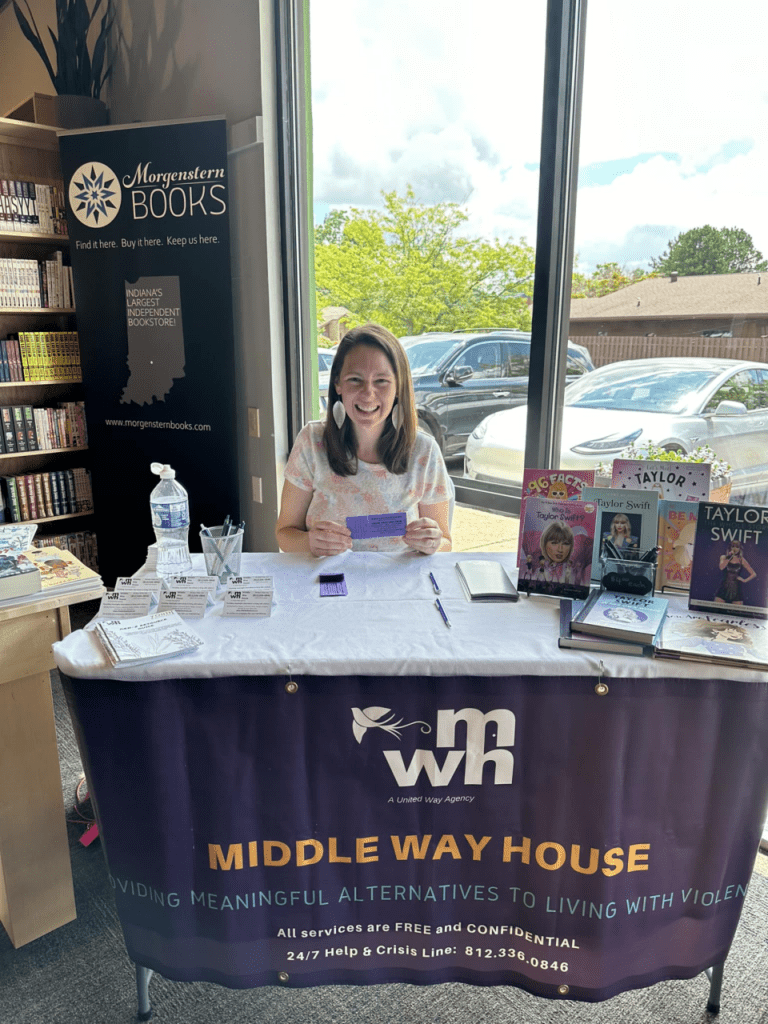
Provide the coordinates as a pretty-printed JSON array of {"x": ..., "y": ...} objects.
[
  {"x": 29, "y": 207},
  {"x": 36, "y": 284},
  {"x": 25, "y": 428},
  {"x": 81, "y": 543},
  {"x": 40, "y": 355},
  {"x": 59, "y": 492}
]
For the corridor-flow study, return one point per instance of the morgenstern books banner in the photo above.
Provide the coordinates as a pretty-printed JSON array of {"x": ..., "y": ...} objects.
[{"x": 148, "y": 214}]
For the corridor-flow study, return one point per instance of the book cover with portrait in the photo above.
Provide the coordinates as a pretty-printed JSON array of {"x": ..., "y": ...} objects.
[
  {"x": 629, "y": 519},
  {"x": 730, "y": 560},
  {"x": 624, "y": 616},
  {"x": 675, "y": 481},
  {"x": 555, "y": 550},
  {"x": 702, "y": 636},
  {"x": 677, "y": 533}
]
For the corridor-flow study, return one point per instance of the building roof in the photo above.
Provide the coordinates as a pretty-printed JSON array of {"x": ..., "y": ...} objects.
[{"x": 705, "y": 295}]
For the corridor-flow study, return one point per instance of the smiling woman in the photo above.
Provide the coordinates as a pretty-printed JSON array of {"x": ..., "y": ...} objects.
[{"x": 367, "y": 458}]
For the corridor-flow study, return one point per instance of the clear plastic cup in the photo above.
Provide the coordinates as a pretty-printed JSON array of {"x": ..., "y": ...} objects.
[{"x": 222, "y": 554}]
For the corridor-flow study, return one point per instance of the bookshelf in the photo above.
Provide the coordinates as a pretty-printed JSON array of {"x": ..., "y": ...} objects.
[{"x": 30, "y": 153}]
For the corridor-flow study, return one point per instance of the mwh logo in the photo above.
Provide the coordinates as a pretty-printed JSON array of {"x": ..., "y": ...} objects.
[{"x": 474, "y": 756}]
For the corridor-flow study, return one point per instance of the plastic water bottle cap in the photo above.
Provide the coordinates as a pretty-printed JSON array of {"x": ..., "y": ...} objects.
[{"x": 164, "y": 471}]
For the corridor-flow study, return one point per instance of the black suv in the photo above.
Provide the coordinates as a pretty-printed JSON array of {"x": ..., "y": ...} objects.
[{"x": 461, "y": 377}]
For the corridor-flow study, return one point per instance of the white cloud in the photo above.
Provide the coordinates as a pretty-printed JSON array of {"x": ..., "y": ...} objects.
[{"x": 447, "y": 97}]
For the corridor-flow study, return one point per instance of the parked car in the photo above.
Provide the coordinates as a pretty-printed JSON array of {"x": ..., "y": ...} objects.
[
  {"x": 324, "y": 364},
  {"x": 459, "y": 378},
  {"x": 678, "y": 403}
]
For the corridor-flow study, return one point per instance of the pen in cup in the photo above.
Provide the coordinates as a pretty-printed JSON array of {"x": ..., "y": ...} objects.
[
  {"x": 442, "y": 612},
  {"x": 434, "y": 584}
]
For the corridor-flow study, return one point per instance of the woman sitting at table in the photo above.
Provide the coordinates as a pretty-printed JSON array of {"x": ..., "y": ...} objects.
[{"x": 368, "y": 458}]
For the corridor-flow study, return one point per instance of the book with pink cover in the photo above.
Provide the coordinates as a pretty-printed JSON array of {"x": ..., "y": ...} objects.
[{"x": 555, "y": 550}]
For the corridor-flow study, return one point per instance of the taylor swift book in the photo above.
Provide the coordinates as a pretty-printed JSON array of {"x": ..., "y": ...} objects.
[
  {"x": 555, "y": 550},
  {"x": 628, "y": 519},
  {"x": 677, "y": 532},
  {"x": 701, "y": 636},
  {"x": 556, "y": 484},
  {"x": 622, "y": 616},
  {"x": 675, "y": 481},
  {"x": 730, "y": 560}
]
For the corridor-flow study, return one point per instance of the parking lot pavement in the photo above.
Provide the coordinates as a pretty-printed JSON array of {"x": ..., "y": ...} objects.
[{"x": 474, "y": 530}]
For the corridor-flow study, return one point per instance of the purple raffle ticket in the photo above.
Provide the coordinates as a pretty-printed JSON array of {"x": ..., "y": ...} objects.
[{"x": 387, "y": 524}]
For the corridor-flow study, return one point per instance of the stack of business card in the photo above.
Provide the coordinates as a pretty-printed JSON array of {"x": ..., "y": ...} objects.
[{"x": 249, "y": 595}]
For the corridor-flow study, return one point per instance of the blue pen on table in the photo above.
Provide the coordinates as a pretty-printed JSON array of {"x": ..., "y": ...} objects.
[
  {"x": 442, "y": 612},
  {"x": 434, "y": 584}
]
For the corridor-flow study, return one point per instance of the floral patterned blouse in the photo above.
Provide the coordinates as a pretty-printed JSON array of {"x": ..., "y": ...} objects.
[{"x": 373, "y": 489}]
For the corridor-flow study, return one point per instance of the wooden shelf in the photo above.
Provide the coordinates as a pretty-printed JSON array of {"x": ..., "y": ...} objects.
[
  {"x": 36, "y": 310},
  {"x": 38, "y": 383},
  {"x": 34, "y": 236},
  {"x": 24, "y": 133},
  {"x": 52, "y": 519},
  {"x": 42, "y": 451}
]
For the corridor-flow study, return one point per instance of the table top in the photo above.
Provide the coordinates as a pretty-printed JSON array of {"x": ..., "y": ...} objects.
[
  {"x": 387, "y": 625},
  {"x": 44, "y": 601}
]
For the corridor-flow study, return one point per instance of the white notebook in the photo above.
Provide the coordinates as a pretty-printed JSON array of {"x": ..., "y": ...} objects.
[{"x": 485, "y": 581}]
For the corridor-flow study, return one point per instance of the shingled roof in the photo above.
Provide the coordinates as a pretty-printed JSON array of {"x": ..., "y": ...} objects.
[{"x": 706, "y": 295}]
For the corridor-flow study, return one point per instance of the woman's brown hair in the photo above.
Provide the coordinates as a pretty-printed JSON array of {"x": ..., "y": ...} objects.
[{"x": 395, "y": 446}]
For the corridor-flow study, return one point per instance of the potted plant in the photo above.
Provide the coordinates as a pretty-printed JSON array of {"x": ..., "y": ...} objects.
[
  {"x": 720, "y": 477},
  {"x": 79, "y": 75}
]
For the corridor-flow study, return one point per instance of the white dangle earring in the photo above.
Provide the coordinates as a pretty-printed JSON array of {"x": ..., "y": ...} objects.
[
  {"x": 397, "y": 416},
  {"x": 339, "y": 413}
]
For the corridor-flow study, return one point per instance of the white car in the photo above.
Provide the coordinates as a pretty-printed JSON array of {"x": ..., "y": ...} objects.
[{"x": 678, "y": 403}]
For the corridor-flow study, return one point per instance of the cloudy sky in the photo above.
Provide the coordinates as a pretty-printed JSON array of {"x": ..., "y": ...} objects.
[{"x": 445, "y": 95}]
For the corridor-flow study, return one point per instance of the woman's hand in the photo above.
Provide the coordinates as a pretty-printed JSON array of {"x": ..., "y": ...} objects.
[
  {"x": 329, "y": 538},
  {"x": 423, "y": 535}
]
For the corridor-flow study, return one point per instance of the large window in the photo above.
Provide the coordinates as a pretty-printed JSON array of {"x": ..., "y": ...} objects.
[{"x": 428, "y": 155}]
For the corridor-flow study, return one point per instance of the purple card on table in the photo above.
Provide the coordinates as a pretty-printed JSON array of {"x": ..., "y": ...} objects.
[{"x": 387, "y": 524}]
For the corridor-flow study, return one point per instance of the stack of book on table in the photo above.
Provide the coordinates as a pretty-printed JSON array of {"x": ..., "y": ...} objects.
[
  {"x": 149, "y": 638},
  {"x": 612, "y": 623},
  {"x": 62, "y": 573}
]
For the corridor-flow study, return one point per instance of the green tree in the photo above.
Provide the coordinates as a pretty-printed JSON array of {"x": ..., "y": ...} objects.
[
  {"x": 710, "y": 250},
  {"x": 606, "y": 278},
  {"x": 408, "y": 268}
]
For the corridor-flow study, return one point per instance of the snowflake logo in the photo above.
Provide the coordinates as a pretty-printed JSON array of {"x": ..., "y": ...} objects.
[
  {"x": 373, "y": 718},
  {"x": 95, "y": 194}
]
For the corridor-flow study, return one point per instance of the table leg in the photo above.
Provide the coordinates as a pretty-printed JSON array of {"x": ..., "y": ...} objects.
[
  {"x": 143, "y": 974},
  {"x": 36, "y": 893},
  {"x": 715, "y": 975}
]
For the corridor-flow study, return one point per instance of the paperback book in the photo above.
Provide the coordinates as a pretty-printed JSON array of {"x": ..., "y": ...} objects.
[
  {"x": 556, "y": 484},
  {"x": 18, "y": 576},
  {"x": 485, "y": 581},
  {"x": 61, "y": 572},
  {"x": 727, "y": 639},
  {"x": 585, "y": 642},
  {"x": 675, "y": 481},
  {"x": 629, "y": 519},
  {"x": 677, "y": 532},
  {"x": 143, "y": 640},
  {"x": 730, "y": 560},
  {"x": 622, "y": 616},
  {"x": 556, "y": 545}
]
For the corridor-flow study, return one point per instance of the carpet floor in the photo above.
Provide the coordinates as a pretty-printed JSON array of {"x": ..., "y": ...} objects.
[{"x": 81, "y": 974}]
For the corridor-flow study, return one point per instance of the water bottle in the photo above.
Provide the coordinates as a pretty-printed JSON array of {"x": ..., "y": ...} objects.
[{"x": 169, "y": 505}]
